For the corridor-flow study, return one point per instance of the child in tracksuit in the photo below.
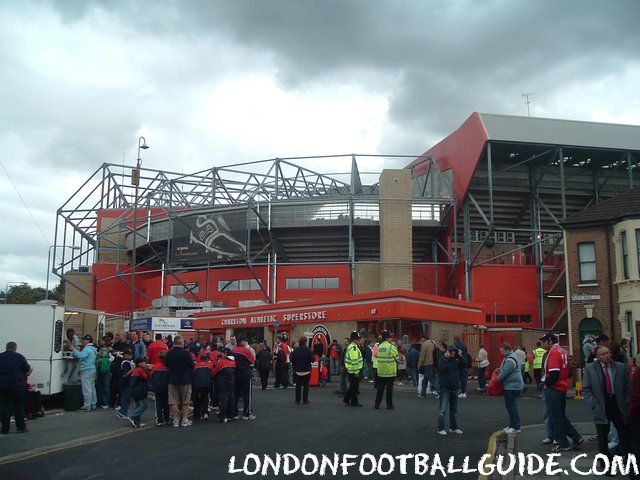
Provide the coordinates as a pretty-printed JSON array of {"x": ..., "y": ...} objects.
[
  {"x": 202, "y": 376},
  {"x": 324, "y": 374},
  {"x": 125, "y": 390},
  {"x": 139, "y": 390},
  {"x": 160, "y": 388},
  {"x": 225, "y": 378}
]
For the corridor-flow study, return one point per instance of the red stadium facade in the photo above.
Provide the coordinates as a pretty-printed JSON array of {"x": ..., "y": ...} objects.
[{"x": 476, "y": 217}]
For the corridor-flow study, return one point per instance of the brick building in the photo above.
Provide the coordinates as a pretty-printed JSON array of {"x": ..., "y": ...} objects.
[{"x": 602, "y": 245}]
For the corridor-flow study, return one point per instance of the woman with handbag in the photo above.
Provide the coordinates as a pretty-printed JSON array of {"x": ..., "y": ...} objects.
[{"x": 510, "y": 376}]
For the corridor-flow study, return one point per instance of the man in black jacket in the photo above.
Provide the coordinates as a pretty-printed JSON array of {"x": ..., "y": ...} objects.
[
  {"x": 180, "y": 365},
  {"x": 13, "y": 371},
  {"x": 244, "y": 358},
  {"x": 301, "y": 359},
  {"x": 263, "y": 361}
]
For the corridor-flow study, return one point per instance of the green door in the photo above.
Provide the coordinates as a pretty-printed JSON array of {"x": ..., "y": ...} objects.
[{"x": 588, "y": 326}]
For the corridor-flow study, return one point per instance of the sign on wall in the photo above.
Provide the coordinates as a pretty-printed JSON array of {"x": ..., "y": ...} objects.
[
  {"x": 581, "y": 297},
  {"x": 162, "y": 324},
  {"x": 274, "y": 319},
  {"x": 320, "y": 335},
  {"x": 209, "y": 238}
]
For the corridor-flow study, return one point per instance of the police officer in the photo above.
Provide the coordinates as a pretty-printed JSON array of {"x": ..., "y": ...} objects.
[
  {"x": 387, "y": 355},
  {"x": 539, "y": 353},
  {"x": 353, "y": 362}
]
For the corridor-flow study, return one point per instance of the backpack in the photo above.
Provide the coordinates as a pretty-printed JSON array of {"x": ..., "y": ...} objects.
[{"x": 139, "y": 389}]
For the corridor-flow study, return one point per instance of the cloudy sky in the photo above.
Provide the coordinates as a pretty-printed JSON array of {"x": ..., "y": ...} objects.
[{"x": 210, "y": 83}]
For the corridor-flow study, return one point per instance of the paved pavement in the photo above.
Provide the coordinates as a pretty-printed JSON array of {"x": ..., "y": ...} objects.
[
  {"x": 204, "y": 450},
  {"x": 529, "y": 441}
]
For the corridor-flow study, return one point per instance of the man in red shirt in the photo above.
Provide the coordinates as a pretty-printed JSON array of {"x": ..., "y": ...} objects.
[
  {"x": 155, "y": 348},
  {"x": 556, "y": 382}
]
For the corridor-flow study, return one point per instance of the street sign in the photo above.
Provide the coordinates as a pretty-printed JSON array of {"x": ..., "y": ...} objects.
[{"x": 276, "y": 325}]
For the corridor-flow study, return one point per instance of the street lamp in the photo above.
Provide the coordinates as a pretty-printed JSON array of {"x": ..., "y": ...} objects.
[
  {"x": 135, "y": 180},
  {"x": 6, "y": 289},
  {"x": 51, "y": 247}
]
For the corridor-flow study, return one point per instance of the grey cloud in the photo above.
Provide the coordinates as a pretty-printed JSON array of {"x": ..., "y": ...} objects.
[{"x": 469, "y": 53}]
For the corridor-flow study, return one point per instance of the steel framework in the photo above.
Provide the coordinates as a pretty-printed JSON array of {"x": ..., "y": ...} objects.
[
  {"x": 529, "y": 189},
  {"x": 243, "y": 185}
]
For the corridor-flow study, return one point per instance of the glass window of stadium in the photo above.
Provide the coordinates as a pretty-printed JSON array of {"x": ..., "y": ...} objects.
[
  {"x": 186, "y": 288},
  {"x": 228, "y": 285},
  {"x": 332, "y": 282},
  {"x": 316, "y": 283},
  {"x": 235, "y": 285}
]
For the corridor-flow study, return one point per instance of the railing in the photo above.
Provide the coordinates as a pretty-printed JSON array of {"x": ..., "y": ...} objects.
[
  {"x": 519, "y": 259},
  {"x": 550, "y": 282},
  {"x": 551, "y": 319}
]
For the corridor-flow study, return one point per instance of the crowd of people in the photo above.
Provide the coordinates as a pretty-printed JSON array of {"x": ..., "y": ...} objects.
[{"x": 193, "y": 381}]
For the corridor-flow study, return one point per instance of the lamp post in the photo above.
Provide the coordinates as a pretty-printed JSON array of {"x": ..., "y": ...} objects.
[
  {"x": 51, "y": 247},
  {"x": 6, "y": 289},
  {"x": 135, "y": 180}
]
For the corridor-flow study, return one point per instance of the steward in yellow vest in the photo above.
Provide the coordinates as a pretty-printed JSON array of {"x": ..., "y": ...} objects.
[
  {"x": 387, "y": 355},
  {"x": 353, "y": 362},
  {"x": 537, "y": 363}
]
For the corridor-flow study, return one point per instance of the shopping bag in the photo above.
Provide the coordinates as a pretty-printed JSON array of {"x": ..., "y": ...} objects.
[{"x": 495, "y": 386}]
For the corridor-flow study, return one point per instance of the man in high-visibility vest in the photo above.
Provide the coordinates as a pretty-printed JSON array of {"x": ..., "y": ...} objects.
[
  {"x": 353, "y": 362},
  {"x": 375, "y": 363},
  {"x": 387, "y": 355},
  {"x": 537, "y": 363}
]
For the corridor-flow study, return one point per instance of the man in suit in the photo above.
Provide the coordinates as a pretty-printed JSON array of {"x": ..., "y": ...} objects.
[{"x": 607, "y": 388}]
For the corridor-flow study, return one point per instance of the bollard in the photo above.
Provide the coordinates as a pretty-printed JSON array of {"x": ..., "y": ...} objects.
[{"x": 578, "y": 395}]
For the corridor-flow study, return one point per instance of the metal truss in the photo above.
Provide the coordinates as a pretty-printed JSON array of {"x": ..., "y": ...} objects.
[
  {"x": 556, "y": 181},
  {"x": 242, "y": 184}
]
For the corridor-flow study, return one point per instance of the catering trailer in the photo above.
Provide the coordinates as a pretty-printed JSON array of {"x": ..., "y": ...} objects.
[{"x": 41, "y": 334}]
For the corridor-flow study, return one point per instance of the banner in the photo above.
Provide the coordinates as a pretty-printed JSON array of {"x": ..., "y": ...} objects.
[{"x": 209, "y": 238}]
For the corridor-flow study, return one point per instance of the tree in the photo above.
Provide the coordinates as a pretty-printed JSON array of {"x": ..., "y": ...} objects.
[{"x": 24, "y": 294}]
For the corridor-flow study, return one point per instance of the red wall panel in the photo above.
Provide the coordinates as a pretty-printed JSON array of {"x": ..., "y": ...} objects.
[
  {"x": 110, "y": 294},
  {"x": 507, "y": 289},
  {"x": 424, "y": 278}
]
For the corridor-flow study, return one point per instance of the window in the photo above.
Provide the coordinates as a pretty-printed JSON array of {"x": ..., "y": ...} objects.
[
  {"x": 525, "y": 318},
  {"x": 513, "y": 319},
  {"x": 332, "y": 282},
  {"x": 587, "y": 259},
  {"x": 488, "y": 318},
  {"x": 625, "y": 254},
  {"x": 316, "y": 283},
  {"x": 235, "y": 285},
  {"x": 228, "y": 285},
  {"x": 499, "y": 318},
  {"x": 638, "y": 247},
  {"x": 183, "y": 289}
]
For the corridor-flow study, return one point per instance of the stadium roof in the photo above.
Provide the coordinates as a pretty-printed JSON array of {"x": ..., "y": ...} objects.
[
  {"x": 510, "y": 128},
  {"x": 588, "y": 142}
]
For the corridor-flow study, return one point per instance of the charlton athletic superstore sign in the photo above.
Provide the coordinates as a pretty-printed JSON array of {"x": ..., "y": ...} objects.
[{"x": 281, "y": 318}]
